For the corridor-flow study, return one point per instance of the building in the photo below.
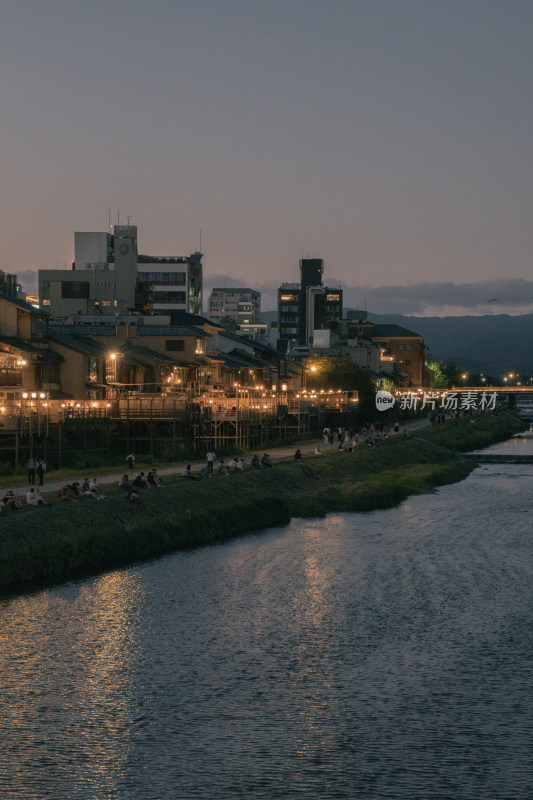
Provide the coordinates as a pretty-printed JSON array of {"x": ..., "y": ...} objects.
[
  {"x": 406, "y": 349},
  {"x": 109, "y": 276},
  {"x": 307, "y": 306},
  {"x": 9, "y": 286},
  {"x": 243, "y": 306}
]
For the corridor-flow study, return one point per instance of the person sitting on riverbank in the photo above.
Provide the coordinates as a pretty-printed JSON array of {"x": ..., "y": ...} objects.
[
  {"x": 318, "y": 451},
  {"x": 233, "y": 463},
  {"x": 240, "y": 465},
  {"x": 188, "y": 474},
  {"x": 66, "y": 493},
  {"x": 86, "y": 490},
  {"x": 140, "y": 481},
  {"x": 10, "y": 501},
  {"x": 205, "y": 472},
  {"x": 152, "y": 480},
  {"x": 133, "y": 497},
  {"x": 95, "y": 488},
  {"x": 298, "y": 455},
  {"x": 75, "y": 486},
  {"x": 124, "y": 483},
  {"x": 265, "y": 461},
  {"x": 35, "y": 498},
  {"x": 223, "y": 469},
  {"x": 158, "y": 482},
  {"x": 255, "y": 462}
]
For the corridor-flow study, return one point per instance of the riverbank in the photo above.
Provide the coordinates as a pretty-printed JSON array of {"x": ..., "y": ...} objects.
[{"x": 41, "y": 545}]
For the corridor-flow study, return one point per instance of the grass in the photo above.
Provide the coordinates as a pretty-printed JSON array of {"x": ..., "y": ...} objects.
[{"x": 46, "y": 545}]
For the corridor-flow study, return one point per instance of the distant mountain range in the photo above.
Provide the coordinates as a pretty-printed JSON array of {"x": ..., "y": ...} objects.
[{"x": 496, "y": 344}]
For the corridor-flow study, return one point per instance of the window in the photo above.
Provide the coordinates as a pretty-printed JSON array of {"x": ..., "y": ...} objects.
[
  {"x": 175, "y": 344},
  {"x": 177, "y": 278},
  {"x": 168, "y": 297},
  {"x": 50, "y": 373},
  {"x": 74, "y": 289},
  {"x": 92, "y": 373}
]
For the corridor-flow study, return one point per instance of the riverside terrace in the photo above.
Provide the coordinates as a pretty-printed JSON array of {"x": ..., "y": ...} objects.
[{"x": 32, "y": 423}]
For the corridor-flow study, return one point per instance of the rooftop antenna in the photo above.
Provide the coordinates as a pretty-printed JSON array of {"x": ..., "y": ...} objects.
[
  {"x": 128, "y": 217},
  {"x": 200, "y": 241},
  {"x": 118, "y": 217},
  {"x": 109, "y": 219}
]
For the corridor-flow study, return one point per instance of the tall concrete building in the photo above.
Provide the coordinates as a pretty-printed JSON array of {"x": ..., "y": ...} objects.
[
  {"x": 307, "y": 306},
  {"x": 241, "y": 305},
  {"x": 109, "y": 276}
]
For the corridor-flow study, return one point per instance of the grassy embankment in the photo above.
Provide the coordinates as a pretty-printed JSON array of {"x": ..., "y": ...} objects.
[{"x": 46, "y": 545}]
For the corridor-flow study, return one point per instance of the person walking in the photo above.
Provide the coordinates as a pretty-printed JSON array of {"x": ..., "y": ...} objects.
[
  {"x": 32, "y": 466},
  {"x": 41, "y": 469},
  {"x": 131, "y": 461}
]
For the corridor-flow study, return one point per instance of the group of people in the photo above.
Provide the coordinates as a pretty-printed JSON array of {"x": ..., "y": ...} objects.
[
  {"x": 73, "y": 492},
  {"x": 36, "y": 467},
  {"x": 133, "y": 487},
  {"x": 258, "y": 463},
  {"x": 143, "y": 481}
]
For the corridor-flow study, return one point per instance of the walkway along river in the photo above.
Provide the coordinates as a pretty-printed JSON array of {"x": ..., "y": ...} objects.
[{"x": 382, "y": 655}]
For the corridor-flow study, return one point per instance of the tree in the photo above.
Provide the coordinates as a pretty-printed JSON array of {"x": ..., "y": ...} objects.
[
  {"x": 440, "y": 378},
  {"x": 339, "y": 372}
]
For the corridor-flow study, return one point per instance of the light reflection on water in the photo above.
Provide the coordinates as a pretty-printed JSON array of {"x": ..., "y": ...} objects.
[{"x": 386, "y": 655}]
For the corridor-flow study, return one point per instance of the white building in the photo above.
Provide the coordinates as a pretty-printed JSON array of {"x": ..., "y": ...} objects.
[{"x": 109, "y": 276}]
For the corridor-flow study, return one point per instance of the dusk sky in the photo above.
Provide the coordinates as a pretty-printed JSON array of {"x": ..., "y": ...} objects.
[{"x": 392, "y": 138}]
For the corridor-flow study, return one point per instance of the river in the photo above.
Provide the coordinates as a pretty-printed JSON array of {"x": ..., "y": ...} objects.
[{"x": 379, "y": 655}]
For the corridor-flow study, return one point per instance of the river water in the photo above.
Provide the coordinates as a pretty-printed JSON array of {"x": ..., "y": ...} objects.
[{"x": 379, "y": 655}]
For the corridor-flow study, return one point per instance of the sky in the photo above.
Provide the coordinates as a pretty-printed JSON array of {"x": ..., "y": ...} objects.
[{"x": 392, "y": 138}]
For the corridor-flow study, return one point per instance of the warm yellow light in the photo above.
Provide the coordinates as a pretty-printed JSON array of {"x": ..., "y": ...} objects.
[
  {"x": 42, "y": 395},
  {"x": 313, "y": 369}
]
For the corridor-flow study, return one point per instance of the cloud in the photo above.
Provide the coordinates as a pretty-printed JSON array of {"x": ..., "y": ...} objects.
[
  {"x": 501, "y": 296},
  {"x": 441, "y": 299}
]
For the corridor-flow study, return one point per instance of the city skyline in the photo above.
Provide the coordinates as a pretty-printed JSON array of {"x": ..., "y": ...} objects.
[{"x": 391, "y": 140}]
